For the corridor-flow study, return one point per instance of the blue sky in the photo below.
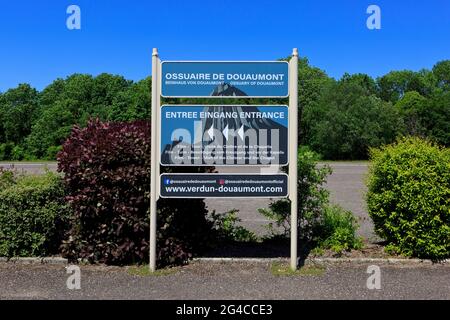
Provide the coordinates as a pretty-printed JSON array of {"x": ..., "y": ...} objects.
[{"x": 118, "y": 36}]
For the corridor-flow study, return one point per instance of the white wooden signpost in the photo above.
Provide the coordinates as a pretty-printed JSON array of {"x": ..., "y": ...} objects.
[{"x": 224, "y": 135}]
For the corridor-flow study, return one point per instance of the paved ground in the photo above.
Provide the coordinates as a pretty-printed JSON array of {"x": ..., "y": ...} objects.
[
  {"x": 347, "y": 189},
  {"x": 346, "y": 185},
  {"x": 30, "y": 167},
  {"x": 224, "y": 281}
]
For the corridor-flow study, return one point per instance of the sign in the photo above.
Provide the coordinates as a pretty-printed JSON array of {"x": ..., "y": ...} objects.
[
  {"x": 224, "y": 135},
  {"x": 224, "y": 79},
  {"x": 223, "y": 185}
]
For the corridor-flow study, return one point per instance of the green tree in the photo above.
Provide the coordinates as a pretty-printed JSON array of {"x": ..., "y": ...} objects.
[
  {"x": 436, "y": 118},
  {"x": 105, "y": 90},
  {"x": 71, "y": 101},
  {"x": 427, "y": 117},
  {"x": 441, "y": 71},
  {"x": 134, "y": 103},
  {"x": 18, "y": 112},
  {"x": 50, "y": 130},
  {"x": 2, "y": 129},
  {"x": 339, "y": 119},
  {"x": 362, "y": 80},
  {"x": 346, "y": 121},
  {"x": 411, "y": 108},
  {"x": 89, "y": 96},
  {"x": 311, "y": 83},
  {"x": 394, "y": 85}
]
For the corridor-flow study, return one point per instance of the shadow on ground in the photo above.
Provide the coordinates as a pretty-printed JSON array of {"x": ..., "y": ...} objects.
[
  {"x": 267, "y": 249},
  {"x": 250, "y": 250},
  {"x": 281, "y": 249}
]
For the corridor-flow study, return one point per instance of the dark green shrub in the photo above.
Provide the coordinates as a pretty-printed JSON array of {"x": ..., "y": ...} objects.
[
  {"x": 337, "y": 230},
  {"x": 107, "y": 175},
  {"x": 52, "y": 152},
  {"x": 186, "y": 223},
  {"x": 228, "y": 229},
  {"x": 409, "y": 197},
  {"x": 6, "y": 151},
  {"x": 7, "y": 178},
  {"x": 33, "y": 215},
  {"x": 312, "y": 198},
  {"x": 320, "y": 224},
  {"x": 17, "y": 153}
]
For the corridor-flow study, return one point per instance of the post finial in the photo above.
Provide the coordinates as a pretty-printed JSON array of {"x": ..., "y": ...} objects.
[
  {"x": 155, "y": 52},
  {"x": 295, "y": 52}
]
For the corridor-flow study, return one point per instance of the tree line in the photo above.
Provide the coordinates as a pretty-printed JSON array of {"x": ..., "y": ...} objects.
[{"x": 339, "y": 119}]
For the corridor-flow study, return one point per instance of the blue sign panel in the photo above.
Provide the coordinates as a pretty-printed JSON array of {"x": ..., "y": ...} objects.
[
  {"x": 225, "y": 79},
  {"x": 224, "y": 135}
]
